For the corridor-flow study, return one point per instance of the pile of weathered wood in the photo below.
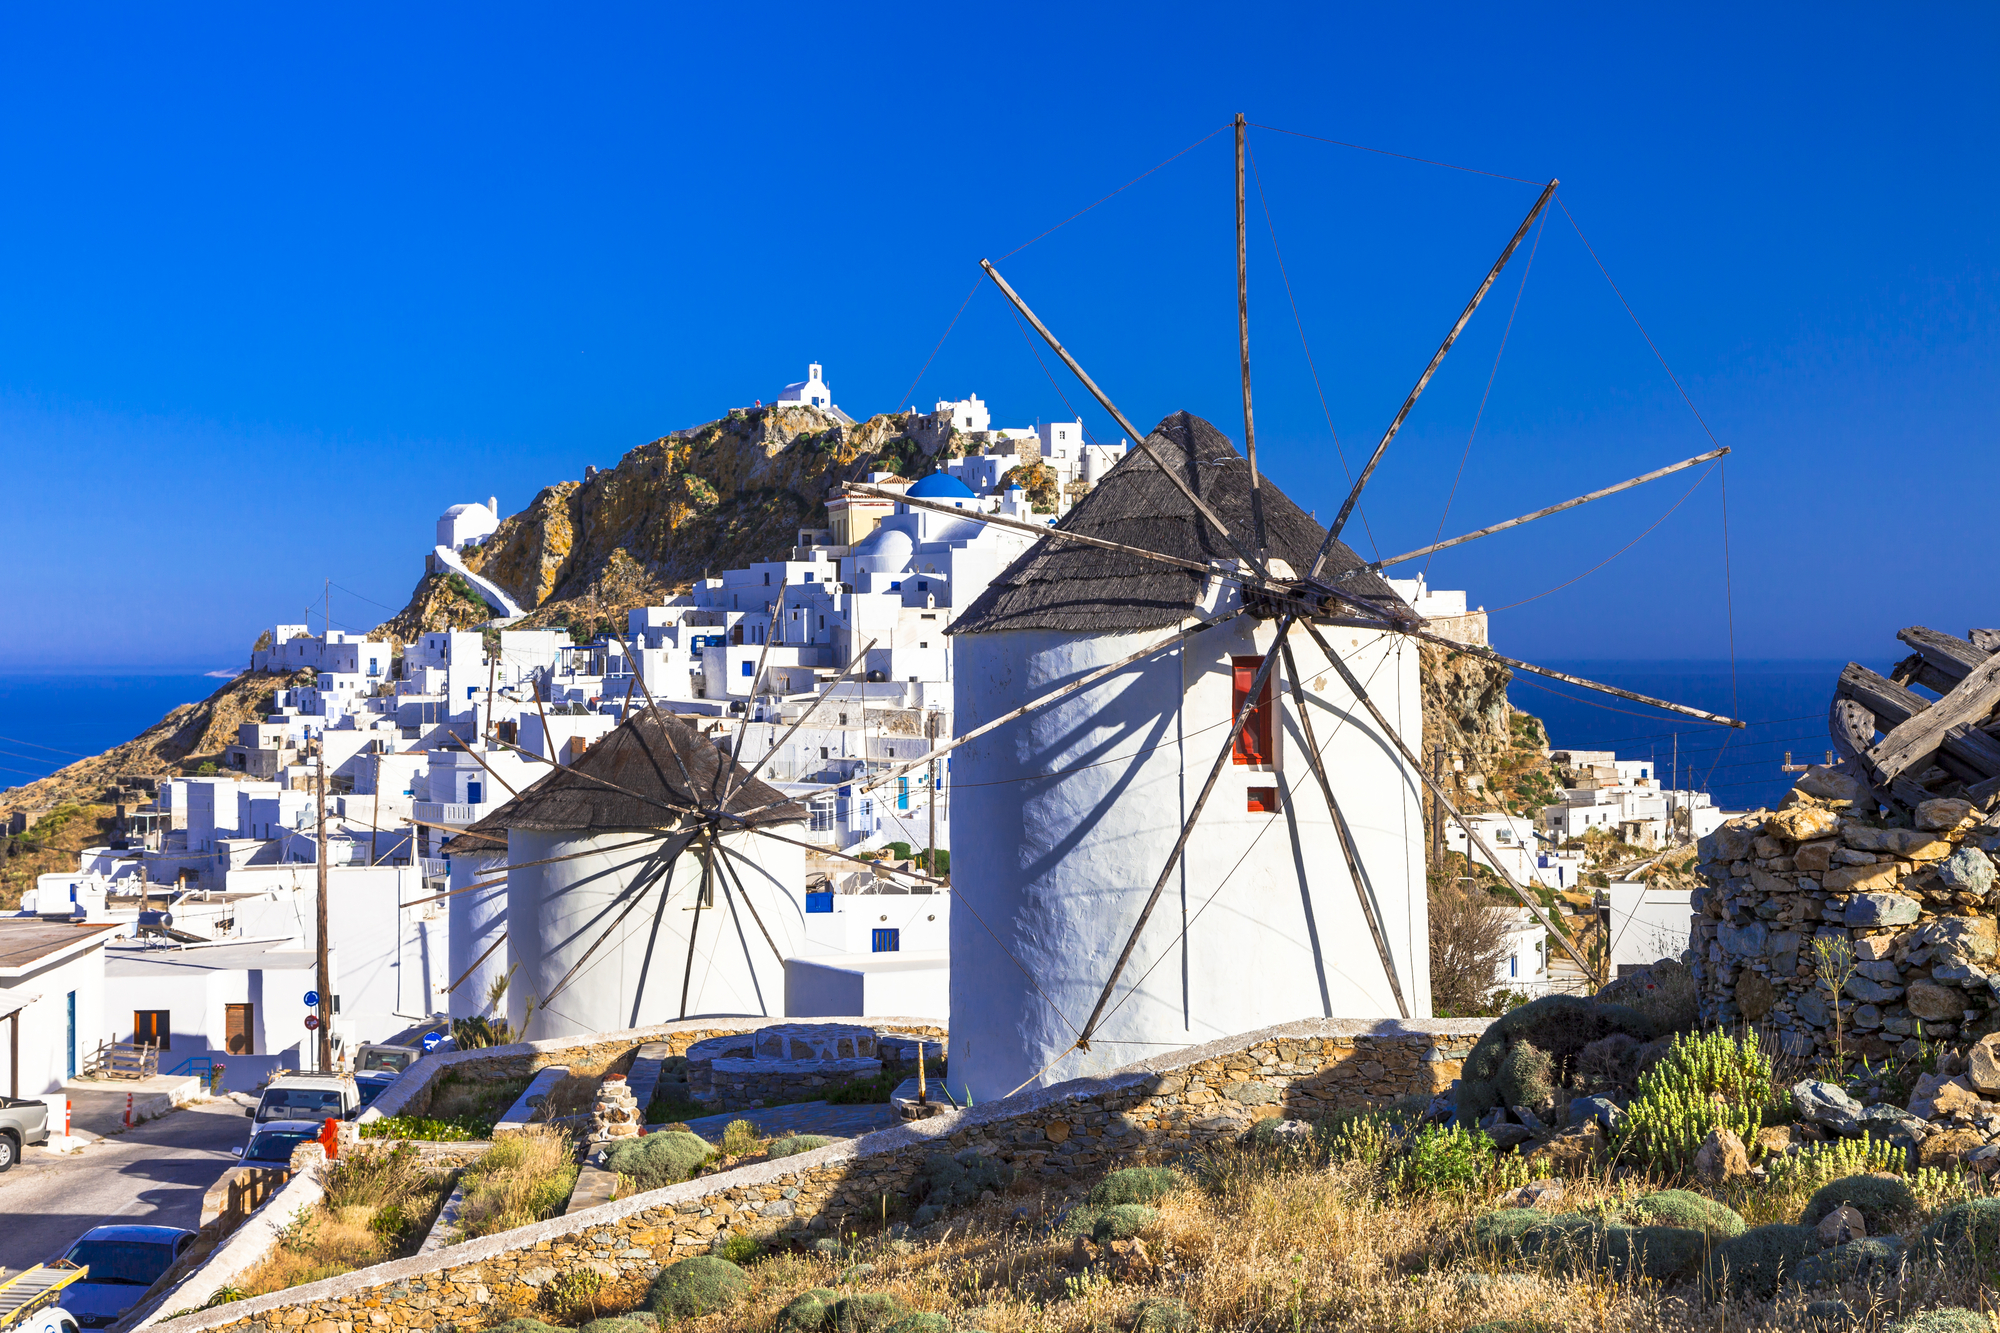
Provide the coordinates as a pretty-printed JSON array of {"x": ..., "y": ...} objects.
[{"x": 1927, "y": 749}]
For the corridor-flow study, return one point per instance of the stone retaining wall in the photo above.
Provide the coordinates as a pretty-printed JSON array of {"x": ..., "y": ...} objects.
[
  {"x": 1144, "y": 1112},
  {"x": 411, "y": 1094},
  {"x": 1912, "y": 906}
]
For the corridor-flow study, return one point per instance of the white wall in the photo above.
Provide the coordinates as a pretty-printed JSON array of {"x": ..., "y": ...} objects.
[
  {"x": 1065, "y": 818},
  {"x": 1647, "y": 924},
  {"x": 50, "y": 1052},
  {"x": 917, "y": 985}
]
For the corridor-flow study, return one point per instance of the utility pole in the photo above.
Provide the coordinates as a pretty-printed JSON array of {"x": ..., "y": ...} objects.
[
  {"x": 325, "y": 969},
  {"x": 931, "y": 729},
  {"x": 1437, "y": 809}
]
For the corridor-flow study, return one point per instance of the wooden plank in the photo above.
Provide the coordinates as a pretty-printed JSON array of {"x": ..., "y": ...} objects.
[
  {"x": 1973, "y": 747},
  {"x": 1947, "y": 652},
  {"x": 1891, "y": 704},
  {"x": 1912, "y": 743},
  {"x": 1852, "y": 728},
  {"x": 1985, "y": 640},
  {"x": 1914, "y": 670}
]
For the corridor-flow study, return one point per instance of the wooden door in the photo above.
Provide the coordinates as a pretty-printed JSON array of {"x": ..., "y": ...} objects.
[{"x": 240, "y": 1028}]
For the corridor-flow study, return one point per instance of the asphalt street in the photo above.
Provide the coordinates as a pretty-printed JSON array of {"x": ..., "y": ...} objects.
[{"x": 155, "y": 1174}]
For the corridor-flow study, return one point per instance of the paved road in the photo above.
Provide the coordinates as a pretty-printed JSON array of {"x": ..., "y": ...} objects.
[{"x": 154, "y": 1174}]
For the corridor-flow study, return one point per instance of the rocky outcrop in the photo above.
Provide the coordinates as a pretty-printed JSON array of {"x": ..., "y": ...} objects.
[{"x": 1829, "y": 904}]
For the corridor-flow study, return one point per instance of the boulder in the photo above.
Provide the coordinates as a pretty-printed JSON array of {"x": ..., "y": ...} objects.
[
  {"x": 1721, "y": 1158},
  {"x": 1830, "y": 784},
  {"x": 1934, "y": 1003},
  {"x": 1813, "y": 1008},
  {"x": 1826, "y": 1104},
  {"x": 1968, "y": 870},
  {"x": 1924, "y": 1097},
  {"x": 1802, "y": 823},
  {"x": 1870, "y": 992},
  {"x": 1731, "y": 842},
  {"x": 1507, "y": 1135},
  {"x": 1868, "y": 910},
  {"x": 1983, "y": 1064},
  {"x": 1745, "y": 941},
  {"x": 1815, "y": 858},
  {"x": 1942, "y": 814},
  {"x": 1773, "y": 1141},
  {"x": 1606, "y": 1112},
  {"x": 1840, "y": 1226},
  {"x": 1535, "y": 1194},
  {"x": 1946, "y": 1148},
  {"x": 1574, "y": 1150},
  {"x": 1974, "y": 939}
]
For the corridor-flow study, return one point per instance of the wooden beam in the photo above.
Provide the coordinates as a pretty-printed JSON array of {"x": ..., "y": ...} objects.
[
  {"x": 639, "y": 889},
  {"x": 523, "y": 865},
  {"x": 474, "y": 966},
  {"x": 1187, "y": 831},
  {"x": 1909, "y": 746},
  {"x": 1243, "y": 341},
  {"x": 1139, "y": 438},
  {"x": 1437, "y": 359},
  {"x": 1985, "y": 640},
  {"x": 1552, "y": 674},
  {"x": 1888, "y": 704},
  {"x": 1975, "y": 749},
  {"x": 1342, "y": 834},
  {"x": 1953, "y": 656},
  {"x": 800, "y": 721},
  {"x": 1473, "y": 839},
  {"x": 756, "y": 683},
  {"x": 1852, "y": 728},
  {"x": 1375, "y": 565}
]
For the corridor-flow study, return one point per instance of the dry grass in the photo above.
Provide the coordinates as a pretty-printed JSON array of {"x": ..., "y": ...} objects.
[
  {"x": 522, "y": 1179},
  {"x": 379, "y": 1205},
  {"x": 1276, "y": 1241}
]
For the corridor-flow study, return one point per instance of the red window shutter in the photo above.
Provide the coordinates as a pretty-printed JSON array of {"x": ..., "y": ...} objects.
[{"x": 1253, "y": 744}]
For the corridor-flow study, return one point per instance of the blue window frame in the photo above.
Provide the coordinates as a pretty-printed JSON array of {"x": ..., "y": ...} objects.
[
  {"x": 749, "y": 668},
  {"x": 473, "y": 793},
  {"x": 888, "y": 941},
  {"x": 69, "y": 1039},
  {"x": 819, "y": 902}
]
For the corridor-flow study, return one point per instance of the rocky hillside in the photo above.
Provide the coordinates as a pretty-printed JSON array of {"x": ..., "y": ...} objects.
[{"x": 717, "y": 496}]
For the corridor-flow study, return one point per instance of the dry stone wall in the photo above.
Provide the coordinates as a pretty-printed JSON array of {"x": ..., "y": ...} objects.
[
  {"x": 1145, "y": 1112},
  {"x": 1904, "y": 915}
]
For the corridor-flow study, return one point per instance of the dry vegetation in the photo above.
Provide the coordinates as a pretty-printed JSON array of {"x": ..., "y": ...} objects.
[
  {"x": 524, "y": 1178},
  {"x": 379, "y": 1205}
]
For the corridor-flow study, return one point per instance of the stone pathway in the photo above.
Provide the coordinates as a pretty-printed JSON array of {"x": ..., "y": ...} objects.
[{"x": 840, "y": 1122}]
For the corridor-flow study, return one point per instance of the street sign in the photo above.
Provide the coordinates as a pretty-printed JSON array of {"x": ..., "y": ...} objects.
[
  {"x": 312, "y": 999},
  {"x": 312, "y": 1022},
  {"x": 431, "y": 1040}
]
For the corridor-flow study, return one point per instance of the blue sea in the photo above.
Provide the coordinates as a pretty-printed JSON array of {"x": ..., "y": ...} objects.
[
  {"x": 1784, "y": 702},
  {"x": 49, "y": 720}
]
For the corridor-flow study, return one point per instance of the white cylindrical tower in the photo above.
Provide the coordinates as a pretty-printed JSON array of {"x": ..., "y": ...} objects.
[
  {"x": 478, "y": 918},
  {"x": 1064, "y": 819},
  {"x": 558, "y": 911}
]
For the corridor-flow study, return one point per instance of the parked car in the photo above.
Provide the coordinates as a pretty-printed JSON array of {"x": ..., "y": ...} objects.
[
  {"x": 123, "y": 1262},
  {"x": 315, "y": 1097},
  {"x": 271, "y": 1143},
  {"x": 384, "y": 1057},
  {"x": 22, "y": 1122},
  {"x": 372, "y": 1084}
]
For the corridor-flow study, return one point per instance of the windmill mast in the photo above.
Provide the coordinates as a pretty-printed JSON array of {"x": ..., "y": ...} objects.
[{"x": 1243, "y": 341}]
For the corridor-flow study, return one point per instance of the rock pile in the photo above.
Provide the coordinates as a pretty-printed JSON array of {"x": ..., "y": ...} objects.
[
  {"x": 615, "y": 1115},
  {"x": 1947, "y": 1119},
  {"x": 1834, "y": 900}
]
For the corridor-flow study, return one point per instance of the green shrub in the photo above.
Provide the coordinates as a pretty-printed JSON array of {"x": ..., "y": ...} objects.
[
  {"x": 655, "y": 1161},
  {"x": 1658, "y": 1253},
  {"x": 456, "y": 1130},
  {"x": 1852, "y": 1262},
  {"x": 1444, "y": 1159},
  {"x": 572, "y": 1294},
  {"x": 1527, "y": 1076},
  {"x": 740, "y": 1139},
  {"x": 1136, "y": 1184},
  {"x": 794, "y": 1144},
  {"x": 524, "y": 1324},
  {"x": 807, "y": 1312},
  {"x": 1964, "y": 1232},
  {"x": 1816, "y": 1163},
  {"x": 1755, "y": 1262},
  {"x": 741, "y": 1249},
  {"x": 1950, "y": 1319},
  {"x": 1162, "y": 1315},
  {"x": 864, "y": 1312},
  {"x": 1500, "y": 1232},
  {"x": 1705, "y": 1082},
  {"x": 696, "y": 1286},
  {"x": 944, "y": 1182},
  {"x": 623, "y": 1323},
  {"x": 1560, "y": 1025},
  {"x": 900, "y": 850},
  {"x": 1122, "y": 1221},
  {"x": 1684, "y": 1208},
  {"x": 923, "y": 1322},
  {"x": 1885, "y": 1204}
]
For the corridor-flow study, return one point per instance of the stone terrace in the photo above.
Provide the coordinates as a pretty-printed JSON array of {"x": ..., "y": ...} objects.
[{"x": 1144, "y": 1112}]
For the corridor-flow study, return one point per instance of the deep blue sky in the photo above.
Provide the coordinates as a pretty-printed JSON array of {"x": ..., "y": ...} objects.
[{"x": 278, "y": 286}]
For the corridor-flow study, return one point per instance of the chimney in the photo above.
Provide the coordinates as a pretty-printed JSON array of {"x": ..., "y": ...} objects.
[{"x": 493, "y": 503}]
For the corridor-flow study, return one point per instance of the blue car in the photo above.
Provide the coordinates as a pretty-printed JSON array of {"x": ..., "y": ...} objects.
[{"x": 123, "y": 1262}]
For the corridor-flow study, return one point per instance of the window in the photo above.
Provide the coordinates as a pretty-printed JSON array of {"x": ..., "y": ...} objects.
[
  {"x": 902, "y": 793},
  {"x": 923, "y": 585},
  {"x": 888, "y": 941},
  {"x": 767, "y": 578},
  {"x": 749, "y": 668},
  {"x": 819, "y": 902},
  {"x": 1253, "y": 744},
  {"x": 151, "y": 1027},
  {"x": 821, "y": 813},
  {"x": 843, "y": 719},
  {"x": 897, "y": 586},
  {"x": 1514, "y": 965},
  {"x": 1263, "y": 800},
  {"x": 474, "y": 793}
]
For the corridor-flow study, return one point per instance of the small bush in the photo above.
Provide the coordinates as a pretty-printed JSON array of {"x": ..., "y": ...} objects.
[
  {"x": 922, "y": 1322},
  {"x": 1817, "y": 1163},
  {"x": 525, "y": 1324},
  {"x": 524, "y": 1178},
  {"x": 1684, "y": 1208},
  {"x": 945, "y": 1182},
  {"x": 1444, "y": 1159},
  {"x": 1162, "y": 1315},
  {"x": 1122, "y": 1221},
  {"x": 571, "y": 1295},
  {"x": 1136, "y": 1184},
  {"x": 808, "y": 1311},
  {"x": 1706, "y": 1082},
  {"x": 741, "y": 1249},
  {"x": 458, "y": 1130},
  {"x": 1967, "y": 1232},
  {"x": 1755, "y": 1262},
  {"x": 1950, "y": 1319},
  {"x": 1499, "y": 1233},
  {"x": 1658, "y": 1253},
  {"x": 794, "y": 1144},
  {"x": 1853, "y": 1262},
  {"x": 1561, "y": 1025},
  {"x": 864, "y": 1312},
  {"x": 655, "y": 1161},
  {"x": 623, "y": 1323},
  {"x": 1885, "y": 1203},
  {"x": 740, "y": 1139},
  {"x": 696, "y": 1286},
  {"x": 1527, "y": 1076}
]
